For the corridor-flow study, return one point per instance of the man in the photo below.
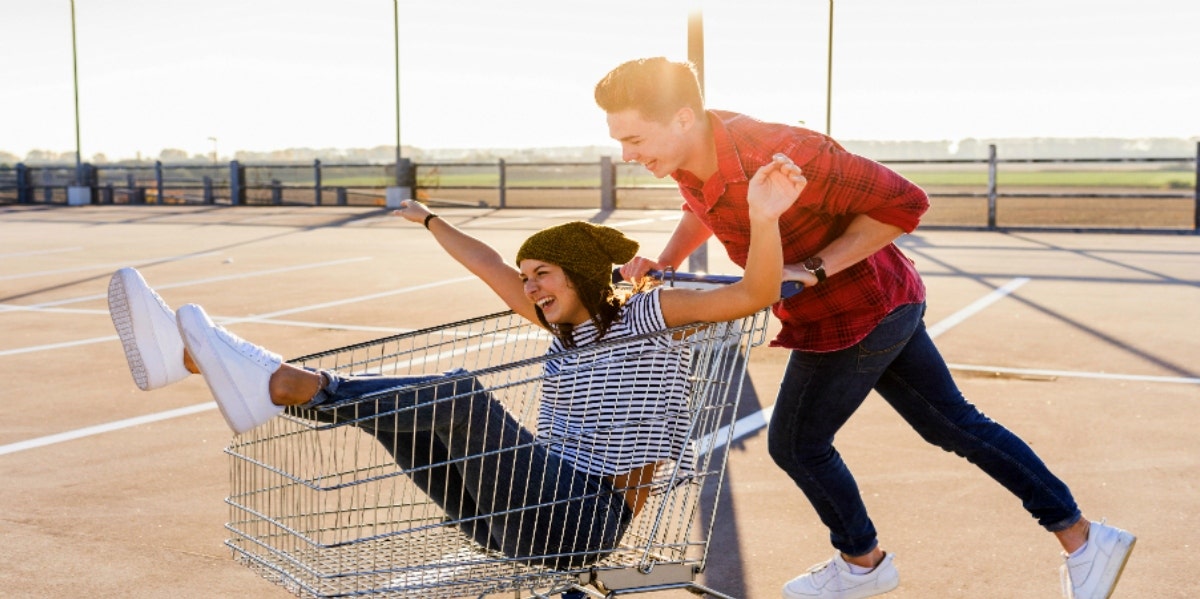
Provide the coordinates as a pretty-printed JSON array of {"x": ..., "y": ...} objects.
[{"x": 857, "y": 326}]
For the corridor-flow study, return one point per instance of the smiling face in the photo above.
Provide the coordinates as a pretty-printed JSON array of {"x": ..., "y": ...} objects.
[
  {"x": 661, "y": 147},
  {"x": 547, "y": 286}
]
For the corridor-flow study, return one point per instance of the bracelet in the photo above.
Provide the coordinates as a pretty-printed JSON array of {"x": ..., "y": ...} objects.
[{"x": 428, "y": 218}]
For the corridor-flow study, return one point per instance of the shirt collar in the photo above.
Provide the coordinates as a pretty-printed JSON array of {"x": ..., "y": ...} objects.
[{"x": 729, "y": 163}]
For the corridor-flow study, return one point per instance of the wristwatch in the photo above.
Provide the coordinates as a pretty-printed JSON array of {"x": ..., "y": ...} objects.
[{"x": 816, "y": 266}]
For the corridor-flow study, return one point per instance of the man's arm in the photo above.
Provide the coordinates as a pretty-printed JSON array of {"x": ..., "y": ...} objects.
[
  {"x": 862, "y": 238},
  {"x": 688, "y": 235}
]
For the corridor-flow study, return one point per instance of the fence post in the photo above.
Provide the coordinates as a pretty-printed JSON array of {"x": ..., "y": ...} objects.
[
  {"x": 47, "y": 189},
  {"x": 24, "y": 189},
  {"x": 991, "y": 224},
  {"x": 276, "y": 192},
  {"x": 158, "y": 181},
  {"x": 237, "y": 183},
  {"x": 1196, "y": 193},
  {"x": 209, "y": 198},
  {"x": 317, "y": 180},
  {"x": 608, "y": 184},
  {"x": 341, "y": 196},
  {"x": 106, "y": 194},
  {"x": 503, "y": 184}
]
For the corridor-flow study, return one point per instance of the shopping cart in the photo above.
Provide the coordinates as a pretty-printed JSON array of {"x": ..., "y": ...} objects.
[{"x": 324, "y": 510}]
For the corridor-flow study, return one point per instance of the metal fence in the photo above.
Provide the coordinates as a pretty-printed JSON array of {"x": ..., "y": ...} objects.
[{"x": 1111, "y": 194}]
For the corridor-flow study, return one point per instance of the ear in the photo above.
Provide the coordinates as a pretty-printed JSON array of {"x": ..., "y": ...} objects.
[{"x": 685, "y": 118}]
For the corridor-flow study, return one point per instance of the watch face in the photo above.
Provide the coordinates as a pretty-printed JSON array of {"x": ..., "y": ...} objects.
[{"x": 813, "y": 263}]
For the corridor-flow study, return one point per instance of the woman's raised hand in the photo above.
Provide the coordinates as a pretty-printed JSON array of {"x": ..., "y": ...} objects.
[
  {"x": 412, "y": 210},
  {"x": 775, "y": 187}
]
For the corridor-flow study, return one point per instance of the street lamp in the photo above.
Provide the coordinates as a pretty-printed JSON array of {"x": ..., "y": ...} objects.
[
  {"x": 829, "y": 75},
  {"x": 75, "y": 79},
  {"x": 214, "y": 158}
]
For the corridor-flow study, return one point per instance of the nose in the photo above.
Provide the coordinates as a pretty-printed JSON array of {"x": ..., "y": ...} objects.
[
  {"x": 628, "y": 155},
  {"x": 530, "y": 287}
]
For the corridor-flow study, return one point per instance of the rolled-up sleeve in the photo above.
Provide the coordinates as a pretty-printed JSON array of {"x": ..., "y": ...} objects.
[{"x": 852, "y": 184}]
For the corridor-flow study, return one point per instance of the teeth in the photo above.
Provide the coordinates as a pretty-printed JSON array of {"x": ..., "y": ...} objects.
[{"x": 542, "y": 302}]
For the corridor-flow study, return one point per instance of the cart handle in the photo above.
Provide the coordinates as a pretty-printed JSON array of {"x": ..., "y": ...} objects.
[{"x": 788, "y": 289}]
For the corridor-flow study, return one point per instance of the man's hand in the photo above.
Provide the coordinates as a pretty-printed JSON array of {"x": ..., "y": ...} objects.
[{"x": 637, "y": 268}]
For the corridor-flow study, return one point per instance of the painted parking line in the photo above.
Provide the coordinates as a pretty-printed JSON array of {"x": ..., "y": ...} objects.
[
  {"x": 1040, "y": 373},
  {"x": 265, "y": 318},
  {"x": 104, "y": 428},
  {"x": 46, "y": 273},
  {"x": 40, "y": 252},
  {"x": 193, "y": 282}
]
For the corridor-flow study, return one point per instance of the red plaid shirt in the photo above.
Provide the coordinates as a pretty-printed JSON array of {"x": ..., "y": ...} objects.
[{"x": 841, "y": 311}]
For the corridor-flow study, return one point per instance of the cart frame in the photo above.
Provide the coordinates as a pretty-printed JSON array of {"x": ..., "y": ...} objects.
[{"x": 322, "y": 510}]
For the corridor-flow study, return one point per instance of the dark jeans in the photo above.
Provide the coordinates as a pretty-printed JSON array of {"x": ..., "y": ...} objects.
[
  {"x": 490, "y": 475},
  {"x": 820, "y": 391}
]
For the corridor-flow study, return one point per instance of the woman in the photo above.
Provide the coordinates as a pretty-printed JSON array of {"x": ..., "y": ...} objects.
[{"x": 562, "y": 505}]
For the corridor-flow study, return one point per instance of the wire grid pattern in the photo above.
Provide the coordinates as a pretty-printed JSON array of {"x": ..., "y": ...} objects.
[{"x": 324, "y": 510}]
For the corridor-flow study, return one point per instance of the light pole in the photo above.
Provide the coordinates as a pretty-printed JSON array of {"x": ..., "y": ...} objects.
[
  {"x": 75, "y": 80},
  {"x": 402, "y": 187},
  {"x": 698, "y": 260},
  {"x": 396, "y": 46},
  {"x": 829, "y": 75},
  {"x": 214, "y": 158}
]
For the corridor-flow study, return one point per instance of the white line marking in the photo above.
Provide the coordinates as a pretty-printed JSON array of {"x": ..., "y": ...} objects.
[
  {"x": 39, "y": 252},
  {"x": 43, "y": 273},
  {"x": 266, "y": 318},
  {"x": 975, "y": 307},
  {"x": 1185, "y": 380},
  {"x": 245, "y": 275},
  {"x": 104, "y": 428}
]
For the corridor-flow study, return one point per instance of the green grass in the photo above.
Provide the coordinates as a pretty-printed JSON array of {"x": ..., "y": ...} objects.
[
  {"x": 1129, "y": 179},
  {"x": 1166, "y": 179}
]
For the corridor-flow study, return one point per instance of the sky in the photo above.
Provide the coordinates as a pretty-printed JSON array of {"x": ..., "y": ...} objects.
[{"x": 259, "y": 75}]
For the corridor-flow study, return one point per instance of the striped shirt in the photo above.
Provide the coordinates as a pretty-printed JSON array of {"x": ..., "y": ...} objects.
[{"x": 613, "y": 409}]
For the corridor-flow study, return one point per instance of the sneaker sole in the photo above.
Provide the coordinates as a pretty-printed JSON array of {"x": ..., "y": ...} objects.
[{"x": 122, "y": 317}]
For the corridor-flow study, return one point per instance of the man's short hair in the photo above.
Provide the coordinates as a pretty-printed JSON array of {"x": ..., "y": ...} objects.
[{"x": 656, "y": 87}]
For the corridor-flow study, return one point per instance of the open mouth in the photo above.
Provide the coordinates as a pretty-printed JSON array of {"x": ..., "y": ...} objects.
[{"x": 544, "y": 303}]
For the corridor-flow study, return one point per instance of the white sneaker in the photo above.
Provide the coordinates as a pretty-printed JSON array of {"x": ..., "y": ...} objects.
[
  {"x": 237, "y": 372},
  {"x": 146, "y": 326},
  {"x": 1094, "y": 573},
  {"x": 833, "y": 580}
]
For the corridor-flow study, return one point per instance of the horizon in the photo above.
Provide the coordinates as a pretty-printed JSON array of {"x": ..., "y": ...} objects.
[
  {"x": 1184, "y": 148},
  {"x": 208, "y": 77}
]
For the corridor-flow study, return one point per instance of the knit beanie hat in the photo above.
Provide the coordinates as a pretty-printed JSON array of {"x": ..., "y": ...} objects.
[{"x": 583, "y": 248}]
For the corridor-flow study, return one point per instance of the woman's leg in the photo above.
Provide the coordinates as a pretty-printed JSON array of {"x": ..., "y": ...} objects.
[{"x": 491, "y": 474}]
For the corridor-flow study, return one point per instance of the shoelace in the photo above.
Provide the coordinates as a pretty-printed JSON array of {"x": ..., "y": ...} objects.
[
  {"x": 260, "y": 355},
  {"x": 824, "y": 570}
]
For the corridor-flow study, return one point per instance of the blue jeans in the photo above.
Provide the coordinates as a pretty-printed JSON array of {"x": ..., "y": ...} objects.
[
  {"x": 820, "y": 391},
  {"x": 490, "y": 475}
]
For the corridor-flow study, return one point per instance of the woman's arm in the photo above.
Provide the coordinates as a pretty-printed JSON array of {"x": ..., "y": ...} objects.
[
  {"x": 773, "y": 189},
  {"x": 480, "y": 258}
]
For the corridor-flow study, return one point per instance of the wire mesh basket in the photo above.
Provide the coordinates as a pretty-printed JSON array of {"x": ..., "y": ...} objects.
[{"x": 320, "y": 507}]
